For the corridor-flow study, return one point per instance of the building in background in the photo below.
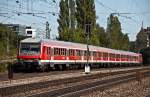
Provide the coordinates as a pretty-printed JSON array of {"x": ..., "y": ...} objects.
[
  {"x": 22, "y": 30},
  {"x": 142, "y": 39},
  {"x": 19, "y": 29}
]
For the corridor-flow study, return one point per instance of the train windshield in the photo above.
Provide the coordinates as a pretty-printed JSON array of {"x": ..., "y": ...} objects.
[{"x": 30, "y": 49}]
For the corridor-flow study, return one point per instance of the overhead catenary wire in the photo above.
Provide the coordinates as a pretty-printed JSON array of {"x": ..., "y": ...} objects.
[{"x": 121, "y": 14}]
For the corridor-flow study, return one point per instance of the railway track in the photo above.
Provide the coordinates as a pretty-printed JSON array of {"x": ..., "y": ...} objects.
[
  {"x": 78, "y": 90},
  {"x": 40, "y": 87},
  {"x": 87, "y": 88},
  {"x": 22, "y": 75},
  {"x": 26, "y": 78}
]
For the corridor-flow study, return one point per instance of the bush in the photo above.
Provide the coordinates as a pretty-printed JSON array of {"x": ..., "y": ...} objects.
[{"x": 3, "y": 67}]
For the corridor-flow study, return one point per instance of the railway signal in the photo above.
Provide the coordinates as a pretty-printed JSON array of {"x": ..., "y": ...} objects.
[{"x": 87, "y": 31}]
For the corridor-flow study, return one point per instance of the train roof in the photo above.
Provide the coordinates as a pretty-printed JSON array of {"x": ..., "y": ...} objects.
[{"x": 64, "y": 44}]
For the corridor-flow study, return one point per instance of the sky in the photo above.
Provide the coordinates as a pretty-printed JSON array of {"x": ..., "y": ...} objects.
[{"x": 132, "y": 13}]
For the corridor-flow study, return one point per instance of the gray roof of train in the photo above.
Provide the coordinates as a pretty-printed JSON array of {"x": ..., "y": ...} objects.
[{"x": 66, "y": 44}]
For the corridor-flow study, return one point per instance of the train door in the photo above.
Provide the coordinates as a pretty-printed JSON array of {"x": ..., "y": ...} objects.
[
  {"x": 49, "y": 53},
  {"x": 44, "y": 52}
]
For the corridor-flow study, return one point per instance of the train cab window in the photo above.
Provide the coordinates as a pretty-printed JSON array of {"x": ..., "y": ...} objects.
[{"x": 30, "y": 48}]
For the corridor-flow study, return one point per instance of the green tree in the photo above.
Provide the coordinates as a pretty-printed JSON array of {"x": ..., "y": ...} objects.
[
  {"x": 63, "y": 20},
  {"x": 7, "y": 39},
  {"x": 126, "y": 42},
  {"x": 116, "y": 39},
  {"x": 79, "y": 36},
  {"x": 66, "y": 20},
  {"x": 72, "y": 19},
  {"x": 101, "y": 35},
  {"x": 85, "y": 14}
]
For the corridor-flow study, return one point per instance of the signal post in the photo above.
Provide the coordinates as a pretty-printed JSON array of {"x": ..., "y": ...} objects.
[{"x": 87, "y": 32}]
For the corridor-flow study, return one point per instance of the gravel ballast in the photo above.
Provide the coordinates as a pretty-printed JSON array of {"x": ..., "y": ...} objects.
[{"x": 130, "y": 89}]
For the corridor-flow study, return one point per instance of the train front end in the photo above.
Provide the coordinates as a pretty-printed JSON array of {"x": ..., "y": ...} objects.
[{"x": 29, "y": 54}]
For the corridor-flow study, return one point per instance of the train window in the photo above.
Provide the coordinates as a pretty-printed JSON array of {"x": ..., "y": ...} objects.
[
  {"x": 95, "y": 54},
  {"x": 90, "y": 53},
  {"x": 105, "y": 55},
  {"x": 129, "y": 57},
  {"x": 99, "y": 54},
  {"x": 126, "y": 56},
  {"x": 117, "y": 56},
  {"x": 112, "y": 55},
  {"x": 56, "y": 51},
  {"x": 48, "y": 50},
  {"x": 30, "y": 48},
  {"x": 122, "y": 56},
  {"x": 63, "y": 51},
  {"x": 85, "y": 53},
  {"x": 71, "y": 52},
  {"x": 78, "y": 52}
]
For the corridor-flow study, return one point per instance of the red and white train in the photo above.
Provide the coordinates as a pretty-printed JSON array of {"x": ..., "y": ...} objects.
[{"x": 45, "y": 53}]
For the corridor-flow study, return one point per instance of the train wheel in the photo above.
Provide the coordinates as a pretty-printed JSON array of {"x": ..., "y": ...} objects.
[
  {"x": 56, "y": 67},
  {"x": 64, "y": 67},
  {"x": 60, "y": 67}
]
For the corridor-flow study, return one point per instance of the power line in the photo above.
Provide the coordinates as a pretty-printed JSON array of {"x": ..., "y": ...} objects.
[
  {"x": 119, "y": 14},
  {"x": 38, "y": 11},
  {"x": 105, "y": 6}
]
